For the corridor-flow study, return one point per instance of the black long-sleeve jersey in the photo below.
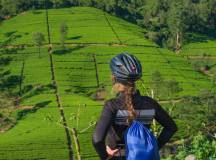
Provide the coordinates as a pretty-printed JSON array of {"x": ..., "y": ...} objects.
[{"x": 112, "y": 124}]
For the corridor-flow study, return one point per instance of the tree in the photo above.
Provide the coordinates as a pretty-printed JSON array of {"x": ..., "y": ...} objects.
[
  {"x": 60, "y": 3},
  {"x": 8, "y": 8},
  {"x": 63, "y": 32},
  {"x": 176, "y": 24},
  {"x": 156, "y": 83},
  {"x": 208, "y": 99},
  {"x": 212, "y": 15},
  {"x": 38, "y": 39},
  {"x": 172, "y": 87}
]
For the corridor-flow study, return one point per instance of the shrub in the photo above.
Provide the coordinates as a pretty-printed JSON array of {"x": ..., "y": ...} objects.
[{"x": 202, "y": 147}]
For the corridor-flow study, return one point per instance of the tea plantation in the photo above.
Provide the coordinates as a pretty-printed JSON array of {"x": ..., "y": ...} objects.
[{"x": 94, "y": 37}]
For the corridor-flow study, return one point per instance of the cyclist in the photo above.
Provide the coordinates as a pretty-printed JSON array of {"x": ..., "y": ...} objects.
[{"x": 128, "y": 105}]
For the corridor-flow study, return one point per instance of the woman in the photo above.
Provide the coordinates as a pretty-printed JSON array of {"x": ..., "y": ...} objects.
[{"x": 128, "y": 105}]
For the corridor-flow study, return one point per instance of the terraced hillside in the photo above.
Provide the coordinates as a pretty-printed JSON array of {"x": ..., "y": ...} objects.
[
  {"x": 60, "y": 84},
  {"x": 86, "y": 25},
  {"x": 201, "y": 50}
]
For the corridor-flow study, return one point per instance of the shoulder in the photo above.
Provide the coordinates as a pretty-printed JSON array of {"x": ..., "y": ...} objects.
[
  {"x": 148, "y": 99},
  {"x": 112, "y": 104},
  {"x": 152, "y": 103}
]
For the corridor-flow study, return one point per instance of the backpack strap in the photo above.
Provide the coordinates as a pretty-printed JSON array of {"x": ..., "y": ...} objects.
[{"x": 143, "y": 115}]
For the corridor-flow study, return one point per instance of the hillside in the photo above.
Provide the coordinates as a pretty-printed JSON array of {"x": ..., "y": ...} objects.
[
  {"x": 200, "y": 50},
  {"x": 85, "y": 26},
  {"x": 39, "y": 135}
]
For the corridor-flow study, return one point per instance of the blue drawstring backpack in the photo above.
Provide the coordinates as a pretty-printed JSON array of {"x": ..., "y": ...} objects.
[{"x": 140, "y": 143}]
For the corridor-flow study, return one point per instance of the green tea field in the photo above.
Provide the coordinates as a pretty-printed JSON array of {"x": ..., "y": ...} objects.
[{"x": 57, "y": 90}]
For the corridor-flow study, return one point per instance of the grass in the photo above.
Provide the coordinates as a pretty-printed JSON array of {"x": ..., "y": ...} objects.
[
  {"x": 199, "y": 45},
  {"x": 34, "y": 136}
]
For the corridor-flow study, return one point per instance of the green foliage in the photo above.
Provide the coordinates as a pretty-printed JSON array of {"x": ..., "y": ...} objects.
[
  {"x": 214, "y": 82},
  {"x": 164, "y": 88},
  {"x": 176, "y": 23},
  {"x": 8, "y": 7},
  {"x": 76, "y": 81},
  {"x": 172, "y": 87},
  {"x": 208, "y": 100},
  {"x": 197, "y": 113},
  {"x": 5, "y": 61},
  {"x": 6, "y": 107},
  {"x": 200, "y": 146},
  {"x": 9, "y": 83},
  {"x": 38, "y": 38},
  {"x": 157, "y": 82},
  {"x": 153, "y": 36},
  {"x": 5, "y": 101},
  {"x": 64, "y": 33}
]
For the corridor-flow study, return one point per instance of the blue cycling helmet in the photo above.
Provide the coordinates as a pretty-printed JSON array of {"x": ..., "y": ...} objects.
[{"x": 126, "y": 68}]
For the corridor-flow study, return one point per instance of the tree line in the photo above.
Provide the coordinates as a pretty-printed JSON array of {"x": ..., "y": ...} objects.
[{"x": 167, "y": 21}]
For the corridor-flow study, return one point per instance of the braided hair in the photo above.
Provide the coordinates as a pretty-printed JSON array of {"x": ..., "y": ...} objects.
[{"x": 128, "y": 90}]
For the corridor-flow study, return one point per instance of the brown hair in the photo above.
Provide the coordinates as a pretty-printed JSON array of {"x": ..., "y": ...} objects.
[{"x": 128, "y": 90}]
